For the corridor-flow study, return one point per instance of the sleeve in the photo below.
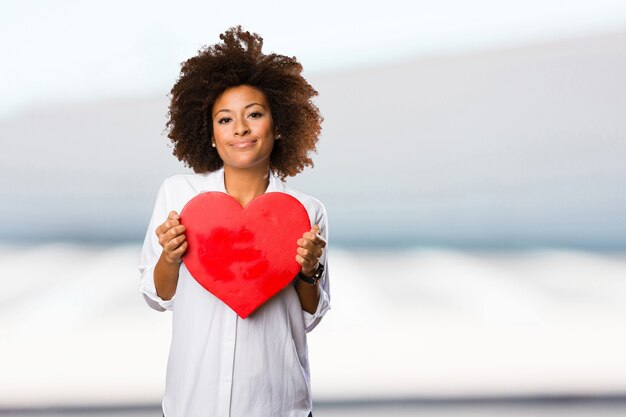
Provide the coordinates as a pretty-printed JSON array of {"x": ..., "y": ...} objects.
[
  {"x": 150, "y": 253},
  {"x": 312, "y": 320}
]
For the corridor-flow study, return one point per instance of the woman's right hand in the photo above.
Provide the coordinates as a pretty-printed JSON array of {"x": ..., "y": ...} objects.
[{"x": 171, "y": 236}]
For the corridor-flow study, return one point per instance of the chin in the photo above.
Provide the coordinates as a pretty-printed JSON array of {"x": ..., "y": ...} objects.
[{"x": 247, "y": 164}]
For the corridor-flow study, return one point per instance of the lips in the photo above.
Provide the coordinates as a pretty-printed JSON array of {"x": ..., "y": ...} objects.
[{"x": 243, "y": 143}]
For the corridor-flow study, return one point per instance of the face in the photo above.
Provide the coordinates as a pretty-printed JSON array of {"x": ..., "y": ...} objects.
[{"x": 243, "y": 129}]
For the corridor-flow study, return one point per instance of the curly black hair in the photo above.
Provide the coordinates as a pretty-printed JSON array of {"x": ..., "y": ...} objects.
[{"x": 236, "y": 61}]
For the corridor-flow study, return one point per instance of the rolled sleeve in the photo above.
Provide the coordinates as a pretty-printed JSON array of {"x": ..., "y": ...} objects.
[
  {"x": 147, "y": 288},
  {"x": 312, "y": 320}
]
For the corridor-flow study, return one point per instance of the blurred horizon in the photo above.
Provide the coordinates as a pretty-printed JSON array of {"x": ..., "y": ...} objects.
[{"x": 535, "y": 160}]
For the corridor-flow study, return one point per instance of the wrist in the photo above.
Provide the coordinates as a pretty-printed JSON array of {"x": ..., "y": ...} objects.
[
  {"x": 313, "y": 276},
  {"x": 309, "y": 272},
  {"x": 171, "y": 261}
]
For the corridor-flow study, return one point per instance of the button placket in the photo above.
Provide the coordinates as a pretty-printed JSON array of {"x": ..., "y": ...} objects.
[{"x": 228, "y": 366}]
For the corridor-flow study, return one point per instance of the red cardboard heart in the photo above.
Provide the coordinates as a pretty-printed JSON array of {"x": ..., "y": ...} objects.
[{"x": 243, "y": 256}]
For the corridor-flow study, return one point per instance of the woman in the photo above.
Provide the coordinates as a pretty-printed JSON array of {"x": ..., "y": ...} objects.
[{"x": 244, "y": 121}]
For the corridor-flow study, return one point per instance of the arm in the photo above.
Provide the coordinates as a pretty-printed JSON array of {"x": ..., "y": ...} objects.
[
  {"x": 153, "y": 259},
  {"x": 310, "y": 250},
  {"x": 172, "y": 240}
]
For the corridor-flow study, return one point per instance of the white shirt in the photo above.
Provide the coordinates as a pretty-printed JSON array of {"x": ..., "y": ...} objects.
[{"x": 219, "y": 364}]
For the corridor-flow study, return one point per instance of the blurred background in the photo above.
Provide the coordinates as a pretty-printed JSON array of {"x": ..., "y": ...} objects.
[{"x": 471, "y": 161}]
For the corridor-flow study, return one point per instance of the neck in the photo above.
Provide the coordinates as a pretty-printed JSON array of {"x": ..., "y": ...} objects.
[{"x": 246, "y": 184}]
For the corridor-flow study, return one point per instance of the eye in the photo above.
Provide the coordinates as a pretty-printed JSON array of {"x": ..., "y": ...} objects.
[
  {"x": 256, "y": 114},
  {"x": 223, "y": 120}
]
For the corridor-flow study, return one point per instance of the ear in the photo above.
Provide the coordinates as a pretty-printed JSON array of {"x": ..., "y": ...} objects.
[
  {"x": 213, "y": 141},
  {"x": 276, "y": 133}
]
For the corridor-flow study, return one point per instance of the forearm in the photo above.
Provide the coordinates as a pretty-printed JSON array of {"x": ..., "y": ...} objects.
[
  {"x": 310, "y": 250},
  {"x": 309, "y": 295},
  {"x": 166, "y": 277}
]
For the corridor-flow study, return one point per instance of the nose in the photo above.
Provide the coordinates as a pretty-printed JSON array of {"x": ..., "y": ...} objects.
[{"x": 241, "y": 127}]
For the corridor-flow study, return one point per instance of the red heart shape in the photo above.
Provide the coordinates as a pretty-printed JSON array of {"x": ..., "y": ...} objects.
[{"x": 243, "y": 256}]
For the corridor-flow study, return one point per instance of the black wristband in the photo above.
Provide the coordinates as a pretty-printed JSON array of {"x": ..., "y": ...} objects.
[{"x": 316, "y": 277}]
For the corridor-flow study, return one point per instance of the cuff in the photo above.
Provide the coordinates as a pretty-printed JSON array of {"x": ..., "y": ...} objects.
[
  {"x": 148, "y": 290},
  {"x": 312, "y": 320}
]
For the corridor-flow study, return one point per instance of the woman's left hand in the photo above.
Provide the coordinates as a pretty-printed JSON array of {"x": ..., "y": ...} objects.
[{"x": 310, "y": 248}]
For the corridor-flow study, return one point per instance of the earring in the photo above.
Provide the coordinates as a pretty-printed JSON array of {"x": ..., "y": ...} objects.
[
  {"x": 213, "y": 144},
  {"x": 278, "y": 137}
]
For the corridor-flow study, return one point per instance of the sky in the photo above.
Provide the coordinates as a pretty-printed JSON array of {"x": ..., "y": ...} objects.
[{"x": 73, "y": 51}]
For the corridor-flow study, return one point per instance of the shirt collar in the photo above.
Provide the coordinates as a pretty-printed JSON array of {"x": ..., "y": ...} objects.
[{"x": 275, "y": 185}]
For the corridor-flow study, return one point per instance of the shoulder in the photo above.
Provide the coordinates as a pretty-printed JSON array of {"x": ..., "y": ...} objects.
[
  {"x": 177, "y": 190},
  {"x": 315, "y": 208},
  {"x": 304, "y": 198},
  {"x": 179, "y": 180}
]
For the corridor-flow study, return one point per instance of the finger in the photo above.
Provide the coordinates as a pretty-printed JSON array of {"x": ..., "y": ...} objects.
[
  {"x": 173, "y": 244},
  {"x": 180, "y": 250},
  {"x": 307, "y": 268},
  {"x": 312, "y": 256},
  {"x": 172, "y": 223},
  {"x": 166, "y": 236},
  {"x": 176, "y": 231},
  {"x": 304, "y": 263},
  {"x": 172, "y": 220},
  {"x": 305, "y": 253},
  {"x": 166, "y": 225},
  {"x": 318, "y": 237},
  {"x": 316, "y": 249},
  {"x": 177, "y": 254},
  {"x": 311, "y": 251},
  {"x": 161, "y": 229},
  {"x": 315, "y": 238}
]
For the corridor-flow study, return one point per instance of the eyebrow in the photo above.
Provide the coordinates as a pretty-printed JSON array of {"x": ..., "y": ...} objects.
[{"x": 248, "y": 106}]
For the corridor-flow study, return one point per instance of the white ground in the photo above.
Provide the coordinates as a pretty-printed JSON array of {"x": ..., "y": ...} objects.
[{"x": 74, "y": 329}]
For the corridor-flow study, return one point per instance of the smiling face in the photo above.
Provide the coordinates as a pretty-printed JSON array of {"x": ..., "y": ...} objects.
[{"x": 243, "y": 129}]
